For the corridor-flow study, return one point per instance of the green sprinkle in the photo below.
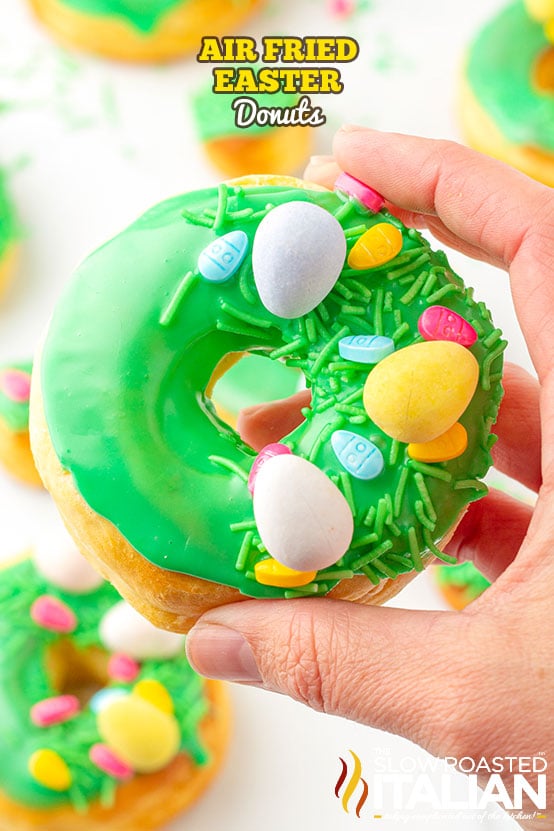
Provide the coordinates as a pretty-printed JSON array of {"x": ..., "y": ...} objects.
[
  {"x": 311, "y": 331},
  {"x": 245, "y": 525},
  {"x": 429, "y": 283},
  {"x": 431, "y": 470},
  {"x": 394, "y": 449},
  {"x": 349, "y": 409},
  {"x": 183, "y": 288},
  {"x": 356, "y": 231},
  {"x": 287, "y": 348},
  {"x": 357, "y": 324},
  {"x": 241, "y": 330},
  {"x": 347, "y": 490},
  {"x": 244, "y": 551},
  {"x": 370, "y": 518},
  {"x": 323, "y": 313},
  {"x": 380, "y": 518},
  {"x": 339, "y": 366},
  {"x": 388, "y": 301},
  {"x": 352, "y": 310},
  {"x": 478, "y": 326},
  {"x": 336, "y": 574},
  {"x": 360, "y": 288},
  {"x": 222, "y": 196},
  {"x": 323, "y": 435},
  {"x": 367, "y": 539},
  {"x": 425, "y": 497},
  {"x": 413, "y": 266},
  {"x": 442, "y": 292},
  {"x": 399, "y": 492},
  {"x": 230, "y": 466},
  {"x": 491, "y": 339},
  {"x": 345, "y": 292},
  {"x": 371, "y": 574},
  {"x": 402, "y": 330},
  {"x": 196, "y": 220},
  {"x": 488, "y": 362},
  {"x": 429, "y": 542},
  {"x": 244, "y": 214},
  {"x": 358, "y": 419},
  {"x": 371, "y": 556},
  {"x": 414, "y": 549},
  {"x": 397, "y": 317},
  {"x": 476, "y": 484},
  {"x": 344, "y": 210},
  {"x": 414, "y": 289},
  {"x": 245, "y": 289},
  {"x": 422, "y": 516},
  {"x": 403, "y": 561},
  {"x": 386, "y": 569},
  {"x": 303, "y": 591},
  {"x": 378, "y": 314},
  {"x": 328, "y": 349},
  {"x": 246, "y": 317}
]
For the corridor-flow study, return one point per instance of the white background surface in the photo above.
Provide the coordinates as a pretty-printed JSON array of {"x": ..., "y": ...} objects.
[{"x": 89, "y": 145}]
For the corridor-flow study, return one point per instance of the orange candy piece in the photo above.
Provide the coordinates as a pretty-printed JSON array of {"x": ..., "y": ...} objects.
[
  {"x": 271, "y": 573},
  {"x": 448, "y": 446},
  {"x": 378, "y": 245}
]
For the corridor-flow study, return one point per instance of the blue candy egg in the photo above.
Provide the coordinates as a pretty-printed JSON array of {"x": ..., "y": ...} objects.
[
  {"x": 366, "y": 349},
  {"x": 223, "y": 257},
  {"x": 104, "y": 697},
  {"x": 357, "y": 455}
]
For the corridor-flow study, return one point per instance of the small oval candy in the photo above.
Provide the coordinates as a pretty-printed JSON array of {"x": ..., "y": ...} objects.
[
  {"x": 59, "y": 561},
  {"x": 448, "y": 446},
  {"x": 366, "y": 349},
  {"x": 139, "y": 734},
  {"x": 123, "y": 668},
  {"x": 297, "y": 257},
  {"x": 419, "y": 392},
  {"x": 55, "y": 710},
  {"x": 270, "y": 450},
  {"x": 271, "y": 573},
  {"x": 440, "y": 323},
  {"x": 49, "y": 769},
  {"x": 50, "y": 613},
  {"x": 303, "y": 520},
  {"x": 357, "y": 455},
  {"x": 156, "y": 694},
  {"x": 122, "y": 629},
  {"x": 103, "y": 697},
  {"x": 366, "y": 195},
  {"x": 223, "y": 257},
  {"x": 16, "y": 385},
  {"x": 377, "y": 246},
  {"x": 107, "y": 761}
]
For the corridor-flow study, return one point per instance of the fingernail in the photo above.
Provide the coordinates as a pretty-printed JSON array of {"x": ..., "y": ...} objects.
[
  {"x": 352, "y": 128},
  {"x": 320, "y": 161},
  {"x": 218, "y": 652}
]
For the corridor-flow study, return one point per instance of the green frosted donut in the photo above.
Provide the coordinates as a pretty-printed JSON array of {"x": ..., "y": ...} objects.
[
  {"x": 144, "y": 15},
  {"x": 134, "y": 342}
]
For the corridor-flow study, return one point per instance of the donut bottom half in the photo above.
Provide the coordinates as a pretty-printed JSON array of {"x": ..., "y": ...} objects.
[
  {"x": 281, "y": 150},
  {"x": 179, "y": 31},
  {"x": 481, "y": 133},
  {"x": 170, "y": 600},
  {"x": 149, "y": 800}
]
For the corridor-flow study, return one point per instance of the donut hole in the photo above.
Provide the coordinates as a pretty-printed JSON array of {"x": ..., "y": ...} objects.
[
  {"x": 78, "y": 672},
  {"x": 259, "y": 398},
  {"x": 543, "y": 73}
]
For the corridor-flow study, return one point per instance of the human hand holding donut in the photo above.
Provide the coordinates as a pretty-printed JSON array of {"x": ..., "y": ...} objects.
[{"x": 462, "y": 684}]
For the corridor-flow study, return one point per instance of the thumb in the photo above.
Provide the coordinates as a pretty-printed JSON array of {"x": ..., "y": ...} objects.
[{"x": 391, "y": 668}]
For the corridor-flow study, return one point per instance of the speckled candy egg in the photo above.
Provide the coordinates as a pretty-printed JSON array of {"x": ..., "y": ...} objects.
[
  {"x": 59, "y": 561},
  {"x": 124, "y": 630},
  {"x": 303, "y": 519},
  {"x": 419, "y": 392},
  {"x": 297, "y": 257}
]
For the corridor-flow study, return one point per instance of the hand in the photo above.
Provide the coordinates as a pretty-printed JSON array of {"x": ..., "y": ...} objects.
[{"x": 480, "y": 682}]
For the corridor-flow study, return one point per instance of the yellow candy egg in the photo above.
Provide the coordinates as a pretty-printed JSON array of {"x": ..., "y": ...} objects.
[
  {"x": 156, "y": 694},
  {"x": 540, "y": 9},
  {"x": 448, "y": 446},
  {"x": 378, "y": 245},
  {"x": 140, "y": 734},
  {"x": 49, "y": 769},
  {"x": 271, "y": 573},
  {"x": 418, "y": 393}
]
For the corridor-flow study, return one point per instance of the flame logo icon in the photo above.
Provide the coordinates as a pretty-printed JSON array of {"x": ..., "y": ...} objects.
[{"x": 351, "y": 784}]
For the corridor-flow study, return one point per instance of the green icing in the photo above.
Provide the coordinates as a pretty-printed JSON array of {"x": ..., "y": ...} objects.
[
  {"x": 499, "y": 71},
  {"x": 464, "y": 576},
  {"x": 144, "y": 15},
  {"x": 24, "y": 681},
  {"x": 15, "y": 414},
  {"x": 8, "y": 225},
  {"x": 214, "y": 116},
  {"x": 133, "y": 344}
]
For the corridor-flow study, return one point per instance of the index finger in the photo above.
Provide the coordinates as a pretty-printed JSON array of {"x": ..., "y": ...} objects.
[{"x": 482, "y": 201}]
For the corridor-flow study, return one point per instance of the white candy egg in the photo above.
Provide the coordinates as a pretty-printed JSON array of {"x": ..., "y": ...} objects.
[
  {"x": 123, "y": 629},
  {"x": 59, "y": 561},
  {"x": 297, "y": 257},
  {"x": 303, "y": 519}
]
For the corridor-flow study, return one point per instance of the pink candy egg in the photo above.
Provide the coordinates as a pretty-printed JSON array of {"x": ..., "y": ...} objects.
[
  {"x": 440, "y": 323},
  {"x": 123, "y": 668},
  {"x": 106, "y": 760},
  {"x": 50, "y": 613},
  {"x": 16, "y": 384},
  {"x": 270, "y": 450},
  {"x": 372, "y": 200},
  {"x": 55, "y": 710}
]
